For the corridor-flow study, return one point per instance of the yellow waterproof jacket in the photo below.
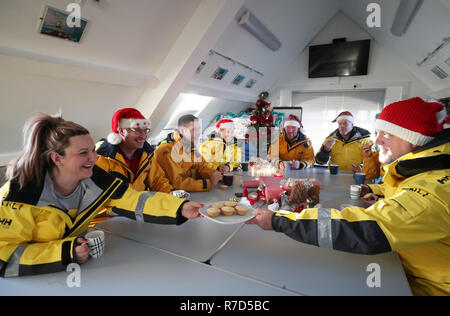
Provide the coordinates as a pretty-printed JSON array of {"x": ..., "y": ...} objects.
[
  {"x": 111, "y": 160},
  {"x": 184, "y": 170},
  {"x": 300, "y": 149},
  {"x": 344, "y": 153},
  {"x": 412, "y": 219},
  {"x": 36, "y": 238},
  {"x": 217, "y": 153}
]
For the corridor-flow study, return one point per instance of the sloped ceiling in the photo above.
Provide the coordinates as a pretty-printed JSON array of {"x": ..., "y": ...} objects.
[
  {"x": 135, "y": 42},
  {"x": 136, "y": 36},
  {"x": 427, "y": 31},
  {"x": 297, "y": 22},
  {"x": 293, "y": 22}
]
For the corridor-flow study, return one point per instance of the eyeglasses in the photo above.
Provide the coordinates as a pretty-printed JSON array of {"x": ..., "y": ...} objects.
[{"x": 139, "y": 130}]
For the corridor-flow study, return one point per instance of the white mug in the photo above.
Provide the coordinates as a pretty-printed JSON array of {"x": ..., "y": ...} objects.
[{"x": 96, "y": 243}]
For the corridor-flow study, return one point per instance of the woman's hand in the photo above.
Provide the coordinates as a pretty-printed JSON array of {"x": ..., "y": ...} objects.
[{"x": 81, "y": 251}]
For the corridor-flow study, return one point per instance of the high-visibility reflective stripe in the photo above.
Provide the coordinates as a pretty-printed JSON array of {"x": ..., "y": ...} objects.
[
  {"x": 139, "y": 211},
  {"x": 12, "y": 269},
  {"x": 324, "y": 228}
]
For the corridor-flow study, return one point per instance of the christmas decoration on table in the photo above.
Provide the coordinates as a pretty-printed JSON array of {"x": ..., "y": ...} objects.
[
  {"x": 284, "y": 200},
  {"x": 275, "y": 206},
  {"x": 247, "y": 201},
  {"x": 290, "y": 182},
  {"x": 262, "y": 115},
  {"x": 304, "y": 194},
  {"x": 260, "y": 192}
]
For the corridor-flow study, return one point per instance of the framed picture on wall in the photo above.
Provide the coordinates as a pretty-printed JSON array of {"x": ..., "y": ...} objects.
[
  {"x": 250, "y": 83},
  {"x": 55, "y": 23},
  {"x": 238, "y": 79},
  {"x": 219, "y": 73}
]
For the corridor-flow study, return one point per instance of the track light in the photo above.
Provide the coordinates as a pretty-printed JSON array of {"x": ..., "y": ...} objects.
[
  {"x": 405, "y": 14},
  {"x": 254, "y": 26}
]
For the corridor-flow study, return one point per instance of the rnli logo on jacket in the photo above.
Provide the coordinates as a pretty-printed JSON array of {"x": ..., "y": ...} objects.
[{"x": 13, "y": 205}]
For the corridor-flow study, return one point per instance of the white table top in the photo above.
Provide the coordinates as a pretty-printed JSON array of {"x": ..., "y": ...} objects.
[
  {"x": 131, "y": 268},
  {"x": 150, "y": 259}
]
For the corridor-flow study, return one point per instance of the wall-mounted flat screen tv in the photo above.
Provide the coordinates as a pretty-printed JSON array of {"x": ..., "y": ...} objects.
[{"x": 339, "y": 59}]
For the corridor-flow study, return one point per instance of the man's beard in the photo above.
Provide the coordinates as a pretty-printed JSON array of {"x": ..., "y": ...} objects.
[{"x": 386, "y": 158}]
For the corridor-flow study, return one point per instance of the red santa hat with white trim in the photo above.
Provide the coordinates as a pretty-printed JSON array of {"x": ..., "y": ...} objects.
[
  {"x": 414, "y": 120},
  {"x": 126, "y": 118},
  {"x": 294, "y": 121},
  {"x": 346, "y": 115},
  {"x": 224, "y": 123}
]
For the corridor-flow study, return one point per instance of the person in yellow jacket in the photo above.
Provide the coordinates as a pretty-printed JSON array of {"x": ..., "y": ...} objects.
[
  {"x": 413, "y": 218},
  {"x": 127, "y": 154},
  {"x": 222, "y": 153},
  {"x": 343, "y": 146},
  {"x": 180, "y": 162},
  {"x": 55, "y": 190},
  {"x": 293, "y": 145},
  {"x": 371, "y": 165}
]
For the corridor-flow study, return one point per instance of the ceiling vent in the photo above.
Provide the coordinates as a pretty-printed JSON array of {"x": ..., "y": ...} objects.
[{"x": 438, "y": 71}]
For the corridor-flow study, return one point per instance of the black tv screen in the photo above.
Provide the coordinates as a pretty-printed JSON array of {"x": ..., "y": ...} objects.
[{"x": 339, "y": 59}]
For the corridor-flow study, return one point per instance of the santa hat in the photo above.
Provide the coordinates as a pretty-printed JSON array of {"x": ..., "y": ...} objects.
[
  {"x": 224, "y": 123},
  {"x": 126, "y": 118},
  {"x": 294, "y": 121},
  {"x": 346, "y": 115},
  {"x": 414, "y": 120}
]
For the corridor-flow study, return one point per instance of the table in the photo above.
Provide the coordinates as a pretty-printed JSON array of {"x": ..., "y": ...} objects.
[
  {"x": 168, "y": 260},
  {"x": 132, "y": 268}
]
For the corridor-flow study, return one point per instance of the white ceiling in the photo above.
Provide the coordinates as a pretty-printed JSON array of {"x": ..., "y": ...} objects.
[
  {"x": 133, "y": 35},
  {"x": 429, "y": 27},
  {"x": 136, "y": 36}
]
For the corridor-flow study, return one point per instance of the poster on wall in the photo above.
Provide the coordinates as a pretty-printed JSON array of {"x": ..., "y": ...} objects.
[
  {"x": 220, "y": 73},
  {"x": 54, "y": 23},
  {"x": 250, "y": 83},
  {"x": 238, "y": 79}
]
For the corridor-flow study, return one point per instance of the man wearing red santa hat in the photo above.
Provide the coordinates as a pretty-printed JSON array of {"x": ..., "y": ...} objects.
[
  {"x": 343, "y": 147},
  {"x": 293, "y": 146},
  {"x": 127, "y": 154},
  {"x": 222, "y": 153}
]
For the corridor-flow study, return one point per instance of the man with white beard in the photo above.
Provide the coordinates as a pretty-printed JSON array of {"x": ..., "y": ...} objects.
[
  {"x": 412, "y": 218},
  {"x": 343, "y": 146}
]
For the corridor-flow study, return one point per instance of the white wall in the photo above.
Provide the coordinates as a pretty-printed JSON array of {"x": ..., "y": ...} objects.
[
  {"x": 384, "y": 71},
  {"x": 22, "y": 93}
]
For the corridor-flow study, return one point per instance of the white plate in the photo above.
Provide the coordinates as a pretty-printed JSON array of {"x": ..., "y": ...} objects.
[{"x": 222, "y": 219}]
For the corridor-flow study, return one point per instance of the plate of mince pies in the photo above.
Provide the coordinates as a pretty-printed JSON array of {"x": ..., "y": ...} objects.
[{"x": 227, "y": 212}]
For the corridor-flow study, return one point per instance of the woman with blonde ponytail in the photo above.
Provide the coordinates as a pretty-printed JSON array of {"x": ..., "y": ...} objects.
[{"x": 53, "y": 192}]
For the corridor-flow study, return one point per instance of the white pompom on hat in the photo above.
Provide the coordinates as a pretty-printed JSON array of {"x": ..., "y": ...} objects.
[
  {"x": 126, "y": 118},
  {"x": 294, "y": 121},
  {"x": 346, "y": 115}
]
